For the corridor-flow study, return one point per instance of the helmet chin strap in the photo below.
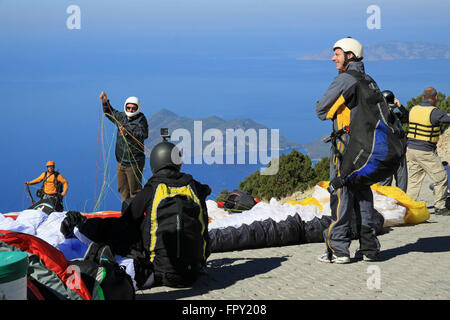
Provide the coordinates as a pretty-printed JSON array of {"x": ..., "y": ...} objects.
[{"x": 346, "y": 62}]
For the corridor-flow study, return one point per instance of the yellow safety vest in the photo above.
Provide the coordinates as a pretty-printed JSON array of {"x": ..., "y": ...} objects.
[{"x": 420, "y": 126}]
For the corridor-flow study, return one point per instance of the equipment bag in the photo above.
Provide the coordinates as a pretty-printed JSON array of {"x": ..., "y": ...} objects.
[
  {"x": 375, "y": 140},
  {"x": 50, "y": 276},
  {"x": 104, "y": 278},
  {"x": 175, "y": 234},
  {"x": 240, "y": 200}
]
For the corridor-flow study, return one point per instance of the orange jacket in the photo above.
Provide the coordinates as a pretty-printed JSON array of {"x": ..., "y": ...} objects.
[{"x": 49, "y": 184}]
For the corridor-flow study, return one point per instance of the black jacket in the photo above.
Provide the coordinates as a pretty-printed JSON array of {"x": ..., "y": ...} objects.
[
  {"x": 141, "y": 208},
  {"x": 128, "y": 151},
  {"x": 130, "y": 235}
]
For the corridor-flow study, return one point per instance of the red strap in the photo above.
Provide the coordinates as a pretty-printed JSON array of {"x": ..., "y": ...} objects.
[{"x": 35, "y": 290}]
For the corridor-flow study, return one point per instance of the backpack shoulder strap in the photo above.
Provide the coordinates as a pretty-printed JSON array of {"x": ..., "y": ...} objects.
[
  {"x": 355, "y": 74},
  {"x": 45, "y": 179},
  {"x": 96, "y": 251},
  {"x": 55, "y": 180}
]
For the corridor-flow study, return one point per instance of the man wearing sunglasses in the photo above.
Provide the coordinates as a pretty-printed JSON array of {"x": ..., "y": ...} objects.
[{"x": 132, "y": 130}]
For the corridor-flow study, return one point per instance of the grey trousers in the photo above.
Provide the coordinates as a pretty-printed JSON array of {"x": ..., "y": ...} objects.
[
  {"x": 129, "y": 180},
  {"x": 345, "y": 203},
  {"x": 349, "y": 203},
  {"x": 401, "y": 176}
]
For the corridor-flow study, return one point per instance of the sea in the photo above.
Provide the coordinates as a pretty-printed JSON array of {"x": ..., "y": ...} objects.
[{"x": 55, "y": 114}]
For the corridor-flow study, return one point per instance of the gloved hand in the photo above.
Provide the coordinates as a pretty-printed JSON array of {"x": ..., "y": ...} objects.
[
  {"x": 73, "y": 219},
  {"x": 335, "y": 184}
]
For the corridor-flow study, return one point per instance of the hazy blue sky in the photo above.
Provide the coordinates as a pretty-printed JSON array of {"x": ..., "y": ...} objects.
[
  {"x": 196, "y": 57},
  {"x": 320, "y": 20}
]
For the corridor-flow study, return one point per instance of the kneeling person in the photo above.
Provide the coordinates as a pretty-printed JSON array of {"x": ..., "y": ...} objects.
[{"x": 167, "y": 223}]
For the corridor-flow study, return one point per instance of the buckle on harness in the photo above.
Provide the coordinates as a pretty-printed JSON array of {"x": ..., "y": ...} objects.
[
  {"x": 336, "y": 134},
  {"x": 335, "y": 184}
]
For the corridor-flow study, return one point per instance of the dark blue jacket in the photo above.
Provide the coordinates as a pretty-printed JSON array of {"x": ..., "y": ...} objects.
[{"x": 128, "y": 150}]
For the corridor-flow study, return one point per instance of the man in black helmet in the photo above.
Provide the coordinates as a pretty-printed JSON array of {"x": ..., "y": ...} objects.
[
  {"x": 164, "y": 228},
  {"x": 172, "y": 211},
  {"x": 399, "y": 111}
]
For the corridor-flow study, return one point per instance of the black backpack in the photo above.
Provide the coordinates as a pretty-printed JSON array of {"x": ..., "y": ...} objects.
[
  {"x": 377, "y": 141},
  {"x": 178, "y": 253},
  {"x": 239, "y": 200},
  {"x": 103, "y": 277}
]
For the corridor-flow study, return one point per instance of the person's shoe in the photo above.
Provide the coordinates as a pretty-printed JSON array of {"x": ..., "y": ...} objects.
[
  {"x": 332, "y": 258},
  {"x": 340, "y": 260},
  {"x": 442, "y": 212},
  {"x": 366, "y": 257},
  {"x": 324, "y": 257}
]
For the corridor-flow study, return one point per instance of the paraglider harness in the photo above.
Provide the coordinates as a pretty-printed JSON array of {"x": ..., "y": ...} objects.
[
  {"x": 239, "y": 201},
  {"x": 51, "y": 202},
  {"x": 377, "y": 141},
  {"x": 58, "y": 185},
  {"x": 333, "y": 137}
]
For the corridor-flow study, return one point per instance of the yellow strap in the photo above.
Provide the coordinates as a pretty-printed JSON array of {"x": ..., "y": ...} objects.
[{"x": 162, "y": 192}]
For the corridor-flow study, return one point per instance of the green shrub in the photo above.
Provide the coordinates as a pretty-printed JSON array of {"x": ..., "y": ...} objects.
[{"x": 294, "y": 174}]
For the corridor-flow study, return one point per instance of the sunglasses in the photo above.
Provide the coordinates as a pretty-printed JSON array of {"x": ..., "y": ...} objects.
[{"x": 132, "y": 108}]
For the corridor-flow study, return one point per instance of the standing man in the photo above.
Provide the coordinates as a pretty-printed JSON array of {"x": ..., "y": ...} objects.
[
  {"x": 132, "y": 130},
  {"x": 54, "y": 187},
  {"x": 337, "y": 105},
  {"x": 423, "y": 135},
  {"x": 399, "y": 111}
]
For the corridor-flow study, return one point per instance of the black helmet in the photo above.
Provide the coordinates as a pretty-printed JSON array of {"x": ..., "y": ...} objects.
[
  {"x": 389, "y": 96},
  {"x": 165, "y": 155}
]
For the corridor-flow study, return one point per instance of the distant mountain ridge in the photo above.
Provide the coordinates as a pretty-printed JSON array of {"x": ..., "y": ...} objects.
[
  {"x": 317, "y": 149},
  {"x": 393, "y": 50},
  {"x": 167, "y": 119}
]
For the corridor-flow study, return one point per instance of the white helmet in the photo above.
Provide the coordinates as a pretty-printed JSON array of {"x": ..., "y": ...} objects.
[
  {"x": 135, "y": 101},
  {"x": 350, "y": 45}
]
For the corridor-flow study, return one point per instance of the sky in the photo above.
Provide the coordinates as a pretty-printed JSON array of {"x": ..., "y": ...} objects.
[
  {"x": 197, "y": 58},
  {"x": 138, "y": 47}
]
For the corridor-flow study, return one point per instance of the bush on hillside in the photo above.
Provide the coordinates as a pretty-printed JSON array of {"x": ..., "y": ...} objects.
[
  {"x": 294, "y": 174},
  {"x": 222, "y": 196}
]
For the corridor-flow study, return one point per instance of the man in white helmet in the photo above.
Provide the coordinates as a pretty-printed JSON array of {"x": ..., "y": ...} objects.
[
  {"x": 337, "y": 105},
  {"x": 132, "y": 131}
]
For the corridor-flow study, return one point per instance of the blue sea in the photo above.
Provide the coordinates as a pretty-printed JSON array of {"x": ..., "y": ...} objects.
[{"x": 52, "y": 111}]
